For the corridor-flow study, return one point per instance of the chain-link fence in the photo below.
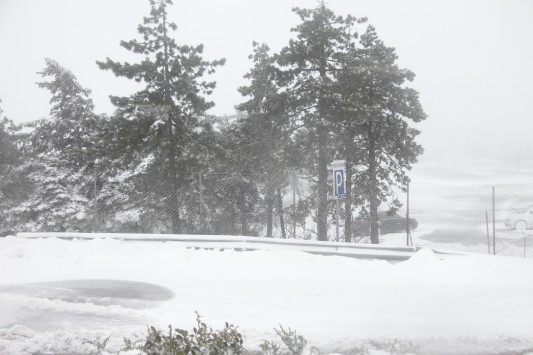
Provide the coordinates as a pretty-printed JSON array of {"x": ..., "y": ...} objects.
[
  {"x": 460, "y": 217},
  {"x": 473, "y": 218}
]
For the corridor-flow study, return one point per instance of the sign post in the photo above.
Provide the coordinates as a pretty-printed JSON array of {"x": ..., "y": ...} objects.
[{"x": 339, "y": 189}]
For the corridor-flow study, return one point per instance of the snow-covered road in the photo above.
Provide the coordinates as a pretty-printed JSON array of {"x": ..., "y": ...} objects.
[{"x": 54, "y": 294}]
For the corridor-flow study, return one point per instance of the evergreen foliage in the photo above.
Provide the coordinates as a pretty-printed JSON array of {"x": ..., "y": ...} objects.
[
  {"x": 11, "y": 188},
  {"x": 202, "y": 340},
  {"x": 374, "y": 109},
  {"x": 55, "y": 175},
  {"x": 70, "y": 130},
  {"x": 9, "y": 154},
  {"x": 162, "y": 164},
  {"x": 265, "y": 131},
  {"x": 168, "y": 115},
  {"x": 310, "y": 62}
]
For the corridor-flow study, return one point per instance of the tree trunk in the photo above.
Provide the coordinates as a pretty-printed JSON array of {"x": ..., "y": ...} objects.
[
  {"x": 201, "y": 218},
  {"x": 95, "y": 199},
  {"x": 244, "y": 224},
  {"x": 322, "y": 218},
  {"x": 349, "y": 198},
  {"x": 231, "y": 228},
  {"x": 322, "y": 215},
  {"x": 245, "y": 230},
  {"x": 269, "y": 210},
  {"x": 373, "y": 188},
  {"x": 189, "y": 227},
  {"x": 280, "y": 213},
  {"x": 173, "y": 203}
]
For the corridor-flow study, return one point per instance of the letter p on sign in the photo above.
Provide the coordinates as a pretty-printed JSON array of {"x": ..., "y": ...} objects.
[{"x": 339, "y": 182}]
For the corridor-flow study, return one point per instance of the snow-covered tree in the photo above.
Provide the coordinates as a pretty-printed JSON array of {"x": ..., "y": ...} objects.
[
  {"x": 59, "y": 160},
  {"x": 70, "y": 130},
  {"x": 374, "y": 110},
  {"x": 160, "y": 124},
  {"x": 265, "y": 131},
  {"x": 310, "y": 62},
  {"x": 12, "y": 189}
]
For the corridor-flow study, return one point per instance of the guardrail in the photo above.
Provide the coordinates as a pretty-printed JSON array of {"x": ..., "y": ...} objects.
[{"x": 361, "y": 251}]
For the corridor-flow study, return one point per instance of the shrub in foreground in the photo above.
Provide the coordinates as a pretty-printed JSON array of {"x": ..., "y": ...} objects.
[{"x": 202, "y": 340}]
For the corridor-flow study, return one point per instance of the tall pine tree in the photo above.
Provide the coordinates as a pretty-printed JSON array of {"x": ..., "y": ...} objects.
[
  {"x": 266, "y": 130},
  {"x": 59, "y": 162},
  {"x": 376, "y": 108},
  {"x": 310, "y": 62},
  {"x": 70, "y": 130},
  {"x": 166, "y": 113},
  {"x": 13, "y": 189}
]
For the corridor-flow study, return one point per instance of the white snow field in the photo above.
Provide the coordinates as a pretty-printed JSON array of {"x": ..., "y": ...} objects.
[{"x": 56, "y": 294}]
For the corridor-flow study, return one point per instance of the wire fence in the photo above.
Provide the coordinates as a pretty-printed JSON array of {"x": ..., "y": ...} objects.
[
  {"x": 459, "y": 217},
  {"x": 474, "y": 218}
]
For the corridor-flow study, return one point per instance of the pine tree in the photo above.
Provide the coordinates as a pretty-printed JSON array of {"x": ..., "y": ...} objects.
[
  {"x": 12, "y": 188},
  {"x": 164, "y": 116},
  {"x": 59, "y": 160},
  {"x": 266, "y": 130},
  {"x": 234, "y": 186},
  {"x": 310, "y": 62},
  {"x": 376, "y": 106},
  {"x": 70, "y": 129},
  {"x": 9, "y": 154}
]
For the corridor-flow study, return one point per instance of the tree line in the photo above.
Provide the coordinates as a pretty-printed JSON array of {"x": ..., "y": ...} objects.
[{"x": 161, "y": 163}]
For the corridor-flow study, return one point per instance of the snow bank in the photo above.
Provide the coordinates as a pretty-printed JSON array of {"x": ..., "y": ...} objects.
[{"x": 335, "y": 302}]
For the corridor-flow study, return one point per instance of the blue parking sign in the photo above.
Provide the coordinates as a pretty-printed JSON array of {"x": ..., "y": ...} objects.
[{"x": 339, "y": 182}]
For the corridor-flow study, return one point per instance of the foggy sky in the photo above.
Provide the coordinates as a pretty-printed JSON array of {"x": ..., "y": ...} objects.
[{"x": 473, "y": 60}]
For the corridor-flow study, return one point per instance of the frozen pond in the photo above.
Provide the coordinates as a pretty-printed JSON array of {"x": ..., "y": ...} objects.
[{"x": 63, "y": 304}]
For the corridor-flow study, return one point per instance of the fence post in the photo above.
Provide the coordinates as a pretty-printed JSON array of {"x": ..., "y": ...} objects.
[
  {"x": 525, "y": 242},
  {"x": 407, "y": 227},
  {"x": 337, "y": 218},
  {"x": 95, "y": 186},
  {"x": 493, "y": 222},
  {"x": 488, "y": 234},
  {"x": 294, "y": 183}
]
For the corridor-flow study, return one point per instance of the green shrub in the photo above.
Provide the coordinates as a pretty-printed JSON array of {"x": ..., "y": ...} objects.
[
  {"x": 99, "y": 345},
  {"x": 202, "y": 341},
  {"x": 294, "y": 343}
]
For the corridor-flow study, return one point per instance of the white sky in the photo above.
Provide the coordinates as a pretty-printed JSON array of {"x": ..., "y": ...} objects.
[{"x": 473, "y": 59}]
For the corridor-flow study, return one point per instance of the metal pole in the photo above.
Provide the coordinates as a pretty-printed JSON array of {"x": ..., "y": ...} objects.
[
  {"x": 294, "y": 182},
  {"x": 488, "y": 234},
  {"x": 337, "y": 217},
  {"x": 95, "y": 198},
  {"x": 493, "y": 222},
  {"x": 408, "y": 232},
  {"x": 525, "y": 242}
]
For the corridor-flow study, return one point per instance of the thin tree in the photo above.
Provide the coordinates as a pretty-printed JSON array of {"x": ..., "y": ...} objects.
[{"x": 266, "y": 130}]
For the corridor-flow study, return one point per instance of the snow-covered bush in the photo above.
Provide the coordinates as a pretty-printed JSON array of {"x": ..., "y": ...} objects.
[
  {"x": 294, "y": 344},
  {"x": 202, "y": 340}
]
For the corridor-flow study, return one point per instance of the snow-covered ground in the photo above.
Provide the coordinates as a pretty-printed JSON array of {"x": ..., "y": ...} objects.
[{"x": 57, "y": 294}]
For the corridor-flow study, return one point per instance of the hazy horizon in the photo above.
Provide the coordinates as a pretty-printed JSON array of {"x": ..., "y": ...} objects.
[{"x": 472, "y": 59}]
